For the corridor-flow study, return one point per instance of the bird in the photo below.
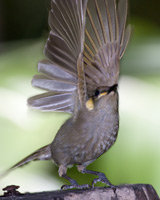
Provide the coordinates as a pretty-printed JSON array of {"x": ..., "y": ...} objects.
[{"x": 80, "y": 75}]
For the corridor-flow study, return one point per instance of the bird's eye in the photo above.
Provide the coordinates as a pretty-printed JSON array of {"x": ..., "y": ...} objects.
[{"x": 97, "y": 92}]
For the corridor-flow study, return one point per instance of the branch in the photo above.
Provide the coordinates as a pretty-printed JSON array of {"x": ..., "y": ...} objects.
[{"x": 127, "y": 192}]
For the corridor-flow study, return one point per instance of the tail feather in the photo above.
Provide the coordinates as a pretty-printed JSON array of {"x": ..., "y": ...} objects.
[{"x": 43, "y": 153}]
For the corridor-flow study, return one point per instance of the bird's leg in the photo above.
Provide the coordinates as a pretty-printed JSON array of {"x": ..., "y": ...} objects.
[
  {"x": 101, "y": 176},
  {"x": 72, "y": 181},
  {"x": 74, "y": 184}
]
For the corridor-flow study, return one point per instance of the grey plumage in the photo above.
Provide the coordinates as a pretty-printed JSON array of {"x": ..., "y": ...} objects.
[{"x": 84, "y": 48}]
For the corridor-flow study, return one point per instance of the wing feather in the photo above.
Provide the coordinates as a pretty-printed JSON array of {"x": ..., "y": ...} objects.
[
  {"x": 60, "y": 74},
  {"x": 55, "y": 72},
  {"x": 127, "y": 35},
  {"x": 122, "y": 17},
  {"x": 44, "y": 82},
  {"x": 106, "y": 40},
  {"x": 53, "y": 102},
  {"x": 76, "y": 63}
]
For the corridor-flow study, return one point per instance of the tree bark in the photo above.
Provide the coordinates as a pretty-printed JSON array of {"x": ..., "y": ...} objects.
[{"x": 123, "y": 192}]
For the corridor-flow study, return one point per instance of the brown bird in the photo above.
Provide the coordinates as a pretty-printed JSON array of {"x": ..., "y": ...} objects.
[{"x": 84, "y": 48}]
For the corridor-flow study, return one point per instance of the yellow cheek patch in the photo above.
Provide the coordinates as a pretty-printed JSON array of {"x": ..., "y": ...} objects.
[{"x": 90, "y": 104}]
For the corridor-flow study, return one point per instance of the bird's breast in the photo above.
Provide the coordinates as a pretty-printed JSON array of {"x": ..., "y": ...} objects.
[
  {"x": 98, "y": 128},
  {"x": 90, "y": 134}
]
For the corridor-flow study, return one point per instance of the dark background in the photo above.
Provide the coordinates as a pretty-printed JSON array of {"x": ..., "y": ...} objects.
[{"x": 28, "y": 18}]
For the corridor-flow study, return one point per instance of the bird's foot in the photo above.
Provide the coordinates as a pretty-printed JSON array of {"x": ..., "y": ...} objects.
[
  {"x": 74, "y": 186},
  {"x": 102, "y": 178}
]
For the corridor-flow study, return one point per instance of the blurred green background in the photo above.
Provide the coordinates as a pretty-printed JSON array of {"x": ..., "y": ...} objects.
[{"x": 135, "y": 156}]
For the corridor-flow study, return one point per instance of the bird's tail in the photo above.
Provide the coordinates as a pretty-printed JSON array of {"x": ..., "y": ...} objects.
[{"x": 43, "y": 153}]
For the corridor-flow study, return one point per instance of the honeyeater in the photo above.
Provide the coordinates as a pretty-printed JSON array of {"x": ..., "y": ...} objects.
[{"x": 80, "y": 75}]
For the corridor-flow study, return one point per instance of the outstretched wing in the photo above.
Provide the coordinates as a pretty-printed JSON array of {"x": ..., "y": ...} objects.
[
  {"x": 106, "y": 38},
  {"x": 63, "y": 74}
]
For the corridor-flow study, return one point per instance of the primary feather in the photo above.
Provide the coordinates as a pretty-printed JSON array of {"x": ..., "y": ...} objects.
[
  {"x": 106, "y": 40},
  {"x": 63, "y": 74}
]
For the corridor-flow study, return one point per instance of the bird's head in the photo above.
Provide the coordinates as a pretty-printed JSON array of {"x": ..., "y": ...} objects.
[{"x": 98, "y": 94}]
